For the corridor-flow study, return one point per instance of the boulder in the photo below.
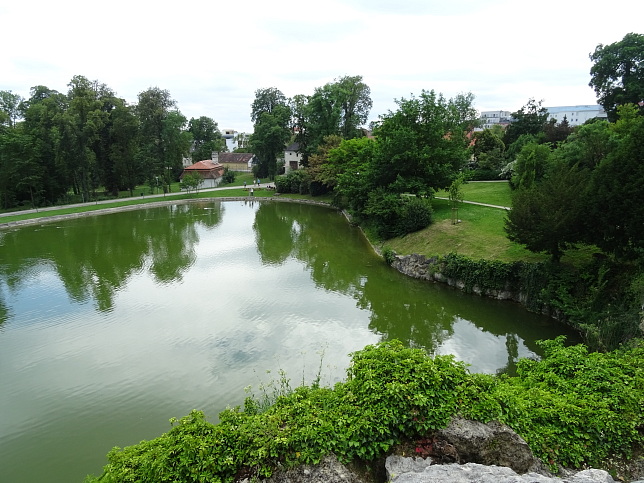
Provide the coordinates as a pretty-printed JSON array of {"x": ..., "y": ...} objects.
[
  {"x": 490, "y": 444},
  {"x": 473, "y": 472}
]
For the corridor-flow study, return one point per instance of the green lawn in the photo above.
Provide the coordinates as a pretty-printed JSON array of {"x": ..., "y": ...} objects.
[
  {"x": 480, "y": 232},
  {"x": 241, "y": 192},
  {"x": 490, "y": 192}
]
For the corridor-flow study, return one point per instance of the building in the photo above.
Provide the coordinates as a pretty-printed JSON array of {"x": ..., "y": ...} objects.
[
  {"x": 492, "y": 118},
  {"x": 235, "y": 161},
  {"x": 576, "y": 115},
  {"x": 210, "y": 172},
  {"x": 292, "y": 157}
]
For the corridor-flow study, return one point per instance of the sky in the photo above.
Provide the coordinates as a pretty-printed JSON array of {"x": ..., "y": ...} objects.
[{"x": 212, "y": 56}]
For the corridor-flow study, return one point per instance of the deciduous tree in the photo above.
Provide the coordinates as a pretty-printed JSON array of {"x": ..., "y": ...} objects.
[
  {"x": 272, "y": 117},
  {"x": 617, "y": 74},
  {"x": 206, "y": 138}
]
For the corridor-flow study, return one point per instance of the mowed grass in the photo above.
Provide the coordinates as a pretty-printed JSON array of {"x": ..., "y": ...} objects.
[
  {"x": 479, "y": 234},
  {"x": 490, "y": 192}
]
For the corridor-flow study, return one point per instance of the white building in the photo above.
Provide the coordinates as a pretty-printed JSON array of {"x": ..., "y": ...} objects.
[
  {"x": 490, "y": 118},
  {"x": 576, "y": 115},
  {"x": 292, "y": 157}
]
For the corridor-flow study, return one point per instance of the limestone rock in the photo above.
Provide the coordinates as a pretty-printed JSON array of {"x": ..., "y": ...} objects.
[
  {"x": 330, "y": 470},
  {"x": 490, "y": 444},
  {"x": 473, "y": 472}
]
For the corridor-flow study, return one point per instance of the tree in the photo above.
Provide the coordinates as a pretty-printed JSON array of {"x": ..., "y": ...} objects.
[
  {"x": 617, "y": 75},
  {"x": 81, "y": 127},
  {"x": 10, "y": 106},
  {"x": 531, "y": 164},
  {"x": 266, "y": 101},
  {"x": 556, "y": 133},
  {"x": 272, "y": 116},
  {"x": 530, "y": 119},
  {"x": 42, "y": 114},
  {"x": 126, "y": 170},
  {"x": 548, "y": 216},
  {"x": 206, "y": 138},
  {"x": 191, "y": 181},
  {"x": 152, "y": 109},
  {"x": 456, "y": 196},
  {"x": 616, "y": 197},
  {"x": 424, "y": 143},
  {"x": 355, "y": 104},
  {"x": 488, "y": 151}
]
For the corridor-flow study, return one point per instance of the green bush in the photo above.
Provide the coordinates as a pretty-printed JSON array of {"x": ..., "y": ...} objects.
[{"x": 574, "y": 408}]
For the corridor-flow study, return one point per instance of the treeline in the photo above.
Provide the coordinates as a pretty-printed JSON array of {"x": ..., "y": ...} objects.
[{"x": 57, "y": 148}]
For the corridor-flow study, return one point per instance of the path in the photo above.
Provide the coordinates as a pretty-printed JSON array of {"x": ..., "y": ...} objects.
[
  {"x": 507, "y": 208},
  {"x": 116, "y": 200}
]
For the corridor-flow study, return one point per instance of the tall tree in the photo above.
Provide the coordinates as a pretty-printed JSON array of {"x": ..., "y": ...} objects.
[
  {"x": 42, "y": 114},
  {"x": 272, "y": 117},
  {"x": 616, "y": 197},
  {"x": 152, "y": 109},
  {"x": 355, "y": 103},
  {"x": 10, "y": 106},
  {"x": 81, "y": 127},
  {"x": 266, "y": 101},
  {"x": 424, "y": 143},
  {"x": 548, "y": 216},
  {"x": 617, "y": 74},
  {"x": 176, "y": 141},
  {"x": 126, "y": 171},
  {"x": 206, "y": 138},
  {"x": 530, "y": 119}
]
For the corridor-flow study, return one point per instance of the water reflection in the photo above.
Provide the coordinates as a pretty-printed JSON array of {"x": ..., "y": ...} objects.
[
  {"x": 94, "y": 259},
  {"x": 113, "y": 324}
]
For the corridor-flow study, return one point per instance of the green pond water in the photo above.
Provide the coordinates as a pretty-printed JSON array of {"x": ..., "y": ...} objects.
[{"x": 111, "y": 325}]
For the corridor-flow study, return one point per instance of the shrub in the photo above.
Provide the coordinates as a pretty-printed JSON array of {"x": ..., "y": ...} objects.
[{"x": 574, "y": 408}]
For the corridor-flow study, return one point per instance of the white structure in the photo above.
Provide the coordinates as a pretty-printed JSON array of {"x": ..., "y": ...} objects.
[
  {"x": 490, "y": 118},
  {"x": 576, "y": 115},
  {"x": 231, "y": 139},
  {"x": 292, "y": 157}
]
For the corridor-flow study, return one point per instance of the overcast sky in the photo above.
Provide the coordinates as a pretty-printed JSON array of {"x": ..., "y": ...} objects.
[{"x": 212, "y": 56}]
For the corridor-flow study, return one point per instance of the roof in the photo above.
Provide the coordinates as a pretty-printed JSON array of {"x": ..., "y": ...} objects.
[
  {"x": 293, "y": 147},
  {"x": 206, "y": 168},
  {"x": 235, "y": 157},
  {"x": 206, "y": 164}
]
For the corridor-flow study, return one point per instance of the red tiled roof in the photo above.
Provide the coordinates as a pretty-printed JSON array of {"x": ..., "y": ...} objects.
[
  {"x": 206, "y": 168},
  {"x": 205, "y": 164}
]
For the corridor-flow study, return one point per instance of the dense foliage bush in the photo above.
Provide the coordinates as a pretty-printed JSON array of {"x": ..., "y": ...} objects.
[
  {"x": 391, "y": 215},
  {"x": 296, "y": 181},
  {"x": 573, "y": 408},
  {"x": 600, "y": 299}
]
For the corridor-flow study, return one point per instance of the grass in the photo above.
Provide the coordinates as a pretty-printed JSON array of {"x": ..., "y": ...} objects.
[
  {"x": 478, "y": 235},
  {"x": 494, "y": 193},
  {"x": 241, "y": 192}
]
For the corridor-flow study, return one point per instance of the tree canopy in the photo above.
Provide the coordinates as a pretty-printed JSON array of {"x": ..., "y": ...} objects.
[{"x": 617, "y": 74}]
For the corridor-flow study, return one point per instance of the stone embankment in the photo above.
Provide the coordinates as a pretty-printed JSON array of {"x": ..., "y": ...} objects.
[
  {"x": 419, "y": 266},
  {"x": 464, "y": 452}
]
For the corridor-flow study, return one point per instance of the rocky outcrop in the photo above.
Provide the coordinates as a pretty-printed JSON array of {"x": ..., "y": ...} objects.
[
  {"x": 490, "y": 444},
  {"x": 482, "y": 453},
  {"x": 473, "y": 472}
]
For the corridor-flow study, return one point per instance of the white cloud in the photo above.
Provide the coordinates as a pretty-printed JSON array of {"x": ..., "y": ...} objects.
[{"x": 212, "y": 56}]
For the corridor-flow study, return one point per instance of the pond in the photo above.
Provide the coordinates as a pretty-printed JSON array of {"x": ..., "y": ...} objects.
[{"x": 111, "y": 325}]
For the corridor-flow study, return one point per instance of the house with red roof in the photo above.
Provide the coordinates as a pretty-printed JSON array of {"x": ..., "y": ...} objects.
[{"x": 210, "y": 172}]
